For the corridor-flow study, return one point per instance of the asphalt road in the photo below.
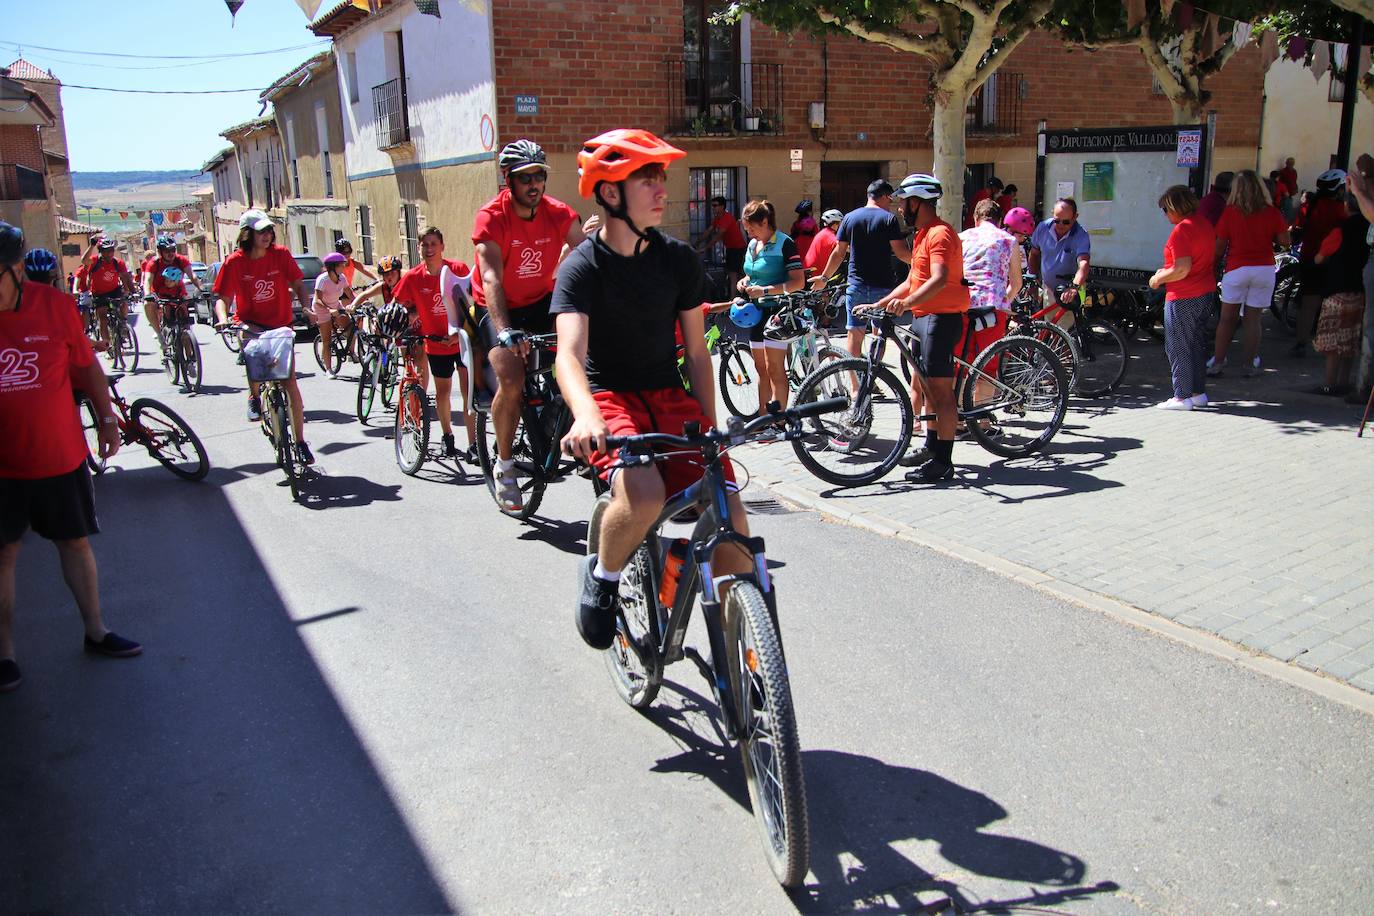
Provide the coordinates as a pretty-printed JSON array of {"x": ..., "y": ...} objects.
[{"x": 376, "y": 702}]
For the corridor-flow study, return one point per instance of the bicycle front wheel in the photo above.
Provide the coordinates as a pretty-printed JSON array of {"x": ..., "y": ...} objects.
[
  {"x": 636, "y": 675},
  {"x": 768, "y": 742},
  {"x": 412, "y": 429},
  {"x": 367, "y": 386},
  {"x": 191, "y": 367},
  {"x": 1016, "y": 397},
  {"x": 1060, "y": 341},
  {"x": 862, "y": 443},
  {"x": 739, "y": 383},
  {"x": 231, "y": 340},
  {"x": 391, "y": 373},
  {"x": 1102, "y": 358},
  {"x": 169, "y": 439},
  {"x": 324, "y": 359},
  {"x": 90, "y": 428}
]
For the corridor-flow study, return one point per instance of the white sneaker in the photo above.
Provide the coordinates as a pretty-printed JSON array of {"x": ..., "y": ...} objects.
[
  {"x": 1213, "y": 367},
  {"x": 1254, "y": 367},
  {"x": 1199, "y": 400},
  {"x": 1176, "y": 404}
]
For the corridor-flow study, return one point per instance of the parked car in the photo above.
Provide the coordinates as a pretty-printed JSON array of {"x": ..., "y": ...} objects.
[
  {"x": 311, "y": 267},
  {"x": 205, "y": 300}
]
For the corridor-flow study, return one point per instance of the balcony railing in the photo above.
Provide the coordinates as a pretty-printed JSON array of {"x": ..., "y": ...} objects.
[
  {"x": 723, "y": 99},
  {"x": 20, "y": 183},
  {"x": 995, "y": 107},
  {"x": 393, "y": 121}
]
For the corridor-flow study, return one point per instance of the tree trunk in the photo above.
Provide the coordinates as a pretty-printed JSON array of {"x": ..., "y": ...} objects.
[
  {"x": 1187, "y": 109},
  {"x": 951, "y": 152}
]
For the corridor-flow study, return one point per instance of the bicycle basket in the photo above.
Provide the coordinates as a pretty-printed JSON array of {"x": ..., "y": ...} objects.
[{"x": 268, "y": 358}]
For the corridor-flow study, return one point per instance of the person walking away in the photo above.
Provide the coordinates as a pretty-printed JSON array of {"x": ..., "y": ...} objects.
[
  {"x": 771, "y": 267},
  {"x": 1190, "y": 283},
  {"x": 870, "y": 236},
  {"x": 44, "y": 481},
  {"x": 1361, "y": 185},
  {"x": 1214, "y": 201},
  {"x": 1324, "y": 212},
  {"x": 804, "y": 227},
  {"x": 1247, "y": 232},
  {"x": 1342, "y": 258}
]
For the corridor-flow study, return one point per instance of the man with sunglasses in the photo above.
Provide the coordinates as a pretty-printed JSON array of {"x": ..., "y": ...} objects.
[
  {"x": 1060, "y": 247},
  {"x": 519, "y": 238}
]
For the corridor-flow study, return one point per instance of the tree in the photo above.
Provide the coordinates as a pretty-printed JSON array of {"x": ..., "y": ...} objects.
[{"x": 964, "y": 40}]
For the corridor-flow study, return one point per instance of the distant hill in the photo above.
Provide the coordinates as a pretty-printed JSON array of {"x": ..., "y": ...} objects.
[{"x": 89, "y": 181}]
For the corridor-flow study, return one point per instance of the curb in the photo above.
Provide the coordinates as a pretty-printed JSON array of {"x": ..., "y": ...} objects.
[{"x": 1324, "y": 685}]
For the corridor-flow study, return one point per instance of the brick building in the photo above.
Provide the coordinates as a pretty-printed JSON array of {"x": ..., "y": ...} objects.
[
  {"x": 26, "y": 198},
  {"x": 53, "y": 136}
]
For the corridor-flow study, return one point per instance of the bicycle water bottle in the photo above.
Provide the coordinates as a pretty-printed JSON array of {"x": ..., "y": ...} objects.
[{"x": 672, "y": 569}]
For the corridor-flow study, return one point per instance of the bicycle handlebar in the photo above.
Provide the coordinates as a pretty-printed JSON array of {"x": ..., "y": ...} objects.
[{"x": 792, "y": 415}]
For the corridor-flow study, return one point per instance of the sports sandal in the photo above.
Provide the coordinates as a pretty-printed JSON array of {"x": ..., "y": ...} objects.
[{"x": 508, "y": 492}]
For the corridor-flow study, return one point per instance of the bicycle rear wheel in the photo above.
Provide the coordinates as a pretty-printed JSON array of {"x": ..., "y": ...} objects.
[
  {"x": 1016, "y": 397},
  {"x": 739, "y": 383},
  {"x": 636, "y": 676},
  {"x": 90, "y": 428},
  {"x": 1287, "y": 296},
  {"x": 231, "y": 340},
  {"x": 169, "y": 439},
  {"x": 322, "y": 359},
  {"x": 1059, "y": 340},
  {"x": 191, "y": 366},
  {"x": 1102, "y": 358},
  {"x": 768, "y": 742},
  {"x": 861, "y": 444},
  {"x": 367, "y": 386},
  {"x": 412, "y": 429},
  {"x": 532, "y": 483}
]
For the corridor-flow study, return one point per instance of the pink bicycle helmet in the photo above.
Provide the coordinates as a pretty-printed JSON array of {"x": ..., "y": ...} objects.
[
  {"x": 1018, "y": 219},
  {"x": 335, "y": 258}
]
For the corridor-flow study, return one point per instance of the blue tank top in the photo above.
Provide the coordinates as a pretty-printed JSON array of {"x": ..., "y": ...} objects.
[{"x": 767, "y": 263}]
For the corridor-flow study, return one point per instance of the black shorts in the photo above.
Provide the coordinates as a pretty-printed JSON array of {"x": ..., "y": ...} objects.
[
  {"x": 442, "y": 366},
  {"x": 940, "y": 337},
  {"x": 60, "y": 508},
  {"x": 734, "y": 261},
  {"x": 532, "y": 319}
]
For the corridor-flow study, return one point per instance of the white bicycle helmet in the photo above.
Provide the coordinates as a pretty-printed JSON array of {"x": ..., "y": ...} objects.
[
  {"x": 785, "y": 325},
  {"x": 921, "y": 186},
  {"x": 1331, "y": 180},
  {"x": 393, "y": 320},
  {"x": 831, "y": 217}
]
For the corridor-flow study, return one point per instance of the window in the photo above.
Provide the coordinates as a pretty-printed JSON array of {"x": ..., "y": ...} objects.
[
  {"x": 337, "y": 235},
  {"x": 410, "y": 229},
  {"x": 351, "y": 72},
  {"x": 305, "y": 241},
  {"x": 328, "y": 175},
  {"x": 703, "y": 184},
  {"x": 710, "y": 67},
  {"x": 249, "y": 184},
  {"x": 365, "y": 231},
  {"x": 295, "y": 179}
]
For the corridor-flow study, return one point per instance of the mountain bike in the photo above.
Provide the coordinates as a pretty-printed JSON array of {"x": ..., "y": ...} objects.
[
  {"x": 340, "y": 344},
  {"x": 269, "y": 360},
  {"x": 123, "y": 350},
  {"x": 413, "y": 411},
  {"x": 747, "y": 671},
  {"x": 544, "y": 419},
  {"x": 1287, "y": 289},
  {"x": 1012, "y": 397},
  {"x": 181, "y": 358},
  {"x": 807, "y": 349},
  {"x": 381, "y": 361},
  {"x": 1097, "y": 356},
  {"x": 149, "y": 423}
]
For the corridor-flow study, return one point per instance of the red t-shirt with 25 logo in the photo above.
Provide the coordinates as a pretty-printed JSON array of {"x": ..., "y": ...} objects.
[
  {"x": 260, "y": 287},
  {"x": 529, "y": 248},
  {"x": 418, "y": 289},
  {"x": 40, "y": 343}
]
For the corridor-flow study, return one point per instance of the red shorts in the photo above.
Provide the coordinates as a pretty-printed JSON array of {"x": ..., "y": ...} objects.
[
  {"x": 983, "y": 339},
  {"x": 628, "y": 413}
]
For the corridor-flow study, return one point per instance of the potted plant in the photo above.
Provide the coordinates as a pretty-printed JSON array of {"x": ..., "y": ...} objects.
[{"x": 752, "y": 117}]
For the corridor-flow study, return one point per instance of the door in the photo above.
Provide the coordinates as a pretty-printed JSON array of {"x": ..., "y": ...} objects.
[{"x": 844, "y": 185}]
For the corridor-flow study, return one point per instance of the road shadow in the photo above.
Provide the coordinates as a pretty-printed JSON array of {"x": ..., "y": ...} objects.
[
  {"x": 334, "y": 417},
  {"x": 214, "y": 391},
  {"x": 569, "y": 537},
  {"x": 321, "y": 490},
  {"x": 214, "y": 773}
]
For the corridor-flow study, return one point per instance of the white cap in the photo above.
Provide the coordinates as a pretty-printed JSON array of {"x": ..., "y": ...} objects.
[{"x": 255, "y": 220}]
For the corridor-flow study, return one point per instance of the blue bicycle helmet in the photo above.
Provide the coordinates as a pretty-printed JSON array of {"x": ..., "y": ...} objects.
[
  {"x": 745, "y": 314},
  {"x": 165, "y": 241},
  {"x": 172, "y": 275},
  {"x": 39, "y": 265}
]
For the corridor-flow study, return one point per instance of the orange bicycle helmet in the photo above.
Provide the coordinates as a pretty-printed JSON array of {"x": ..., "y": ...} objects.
[
  {"x": 388, "y": 263},
  {"x": 616, "y": 154}
]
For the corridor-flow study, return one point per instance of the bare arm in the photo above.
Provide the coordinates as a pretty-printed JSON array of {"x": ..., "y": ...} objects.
[
  {"x": 1035, "y": 262},
  {"x": 298, "y": 287},
  {"x": 900, "y": 251},
  {"x": 1014, "y": 276},
  {"x": 1171, "y": 274},
  {"x": 832, "y": 263},
  {"x": 362, "y": 269},
  {"x": 588, "y": 432},
  {"x": 374, "y": 290},
  {"x": 1080, "y": 276},
  {"x": 693, "y": 324},
  {"x": 489, "y": 263}
]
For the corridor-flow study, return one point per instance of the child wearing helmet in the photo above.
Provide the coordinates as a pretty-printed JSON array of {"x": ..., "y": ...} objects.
[
  {"x": 40, "y": 266},
  {"x": 157, "y": 286},
  {"x": 617, "y": 299},
  {"x": 332, "y": 293},
  {"x": 818, "y": 254}
]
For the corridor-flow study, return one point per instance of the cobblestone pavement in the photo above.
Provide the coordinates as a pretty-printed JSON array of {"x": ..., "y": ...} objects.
[{"x": 1250, "y": 519}]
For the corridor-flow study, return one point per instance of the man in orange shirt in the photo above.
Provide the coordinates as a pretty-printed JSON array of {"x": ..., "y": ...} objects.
[{"x": 935, "y": 294}]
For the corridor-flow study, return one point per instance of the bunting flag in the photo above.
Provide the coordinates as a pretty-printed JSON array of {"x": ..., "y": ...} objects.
[
  {"x": 367, "y": 6},
  {"x": 174, "y": 216},
  {"x": 104, "y": 209},
  {"x": 1240, "y": 34},
  {"x": 233, "y": 10},
  {"x": 428, "y": 7},
  {"x": 141, "y": 214},
  {"x": 309, "y": 7},
  {"x": 157, "y": 218}
]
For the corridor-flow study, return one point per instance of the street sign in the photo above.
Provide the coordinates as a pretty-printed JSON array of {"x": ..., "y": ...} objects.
[
  {"x": 527, "y": 104},
  {"x": 796, "y": 155}
]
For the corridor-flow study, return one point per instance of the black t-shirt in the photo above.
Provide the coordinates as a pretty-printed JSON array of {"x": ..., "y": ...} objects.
[
  {"x": 870, "y": 232},
  {"x": 1343, "y": 272},
  {"x": 632, "y": 305}
]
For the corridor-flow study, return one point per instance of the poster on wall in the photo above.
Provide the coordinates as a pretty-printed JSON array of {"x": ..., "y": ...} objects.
[
  {"x": 1189, "y": 149},
  {"x": 1063, "y": 189},
  {"x": 1099, "y": 181}
]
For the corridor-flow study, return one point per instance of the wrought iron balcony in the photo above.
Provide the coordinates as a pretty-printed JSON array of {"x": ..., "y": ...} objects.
[
  {"x": 20, "y": 183},
  {"x": 995, "y": 108},
  {"x": 723, "y": 99},
  {"x": 389, "y": 109}
]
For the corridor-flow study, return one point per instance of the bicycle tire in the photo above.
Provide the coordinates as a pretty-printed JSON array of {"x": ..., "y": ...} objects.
[
  {"x": 90, "y": 428},
  {"x": 277, "y": 415},
  {"x": 367, "y": 386},
  {"x": 770, "y": 749},
  {"x": 391, "y": 376},
  {"x": 532, "y": 490},
  {"x": 170, "y": 362},
  {"x": 636, "y": 683},
  {"x": 1059, "y": 340},
  {"x": 192, "y": 367},
  {"x": 412, "y": 429},
  {"x": 739, "y": 387},
  {"x": 1283, "y": 304},
  {"x": 1034, "y": 407},
  {"x": 850, "y": 435},
  {"x": 1103, "y": 362},
  {"x": 169, "y": 439},
  {"x": 318, "y": 348},
  {"x": 231, "y": 340}
]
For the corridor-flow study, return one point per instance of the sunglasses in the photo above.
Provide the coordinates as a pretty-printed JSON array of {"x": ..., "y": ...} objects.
[
  {"x": 1064, "y": 222},
  {"x": 531, "y": 177}
]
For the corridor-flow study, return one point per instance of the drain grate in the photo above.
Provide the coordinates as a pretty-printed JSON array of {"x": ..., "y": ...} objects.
[{"x": 766, "y": 506}]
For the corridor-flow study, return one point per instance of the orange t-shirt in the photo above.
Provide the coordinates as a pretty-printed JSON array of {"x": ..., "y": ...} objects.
[{"x": 938, "y": 243}]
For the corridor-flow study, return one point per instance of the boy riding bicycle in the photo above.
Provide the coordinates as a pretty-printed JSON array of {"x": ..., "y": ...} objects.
[{"x": 618, "y": 297}]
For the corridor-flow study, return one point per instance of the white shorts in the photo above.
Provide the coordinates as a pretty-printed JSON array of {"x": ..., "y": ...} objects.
[
  {"x": 768, "y": 344},
  {"x": 1252, "y": 287}
]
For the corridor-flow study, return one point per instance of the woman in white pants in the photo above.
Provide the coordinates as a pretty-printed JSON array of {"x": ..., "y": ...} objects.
[{"x": 1249, "y": 228}]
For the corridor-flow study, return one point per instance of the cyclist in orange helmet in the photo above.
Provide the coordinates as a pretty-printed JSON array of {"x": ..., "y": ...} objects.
[{"x": 619, "y": 297}]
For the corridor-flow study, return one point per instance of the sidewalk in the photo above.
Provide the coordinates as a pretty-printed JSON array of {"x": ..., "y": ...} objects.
[{"x": 1250, "y": 519}]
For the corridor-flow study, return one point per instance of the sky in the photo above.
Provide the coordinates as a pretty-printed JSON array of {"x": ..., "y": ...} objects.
[{"x": 115, "y": 131}]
